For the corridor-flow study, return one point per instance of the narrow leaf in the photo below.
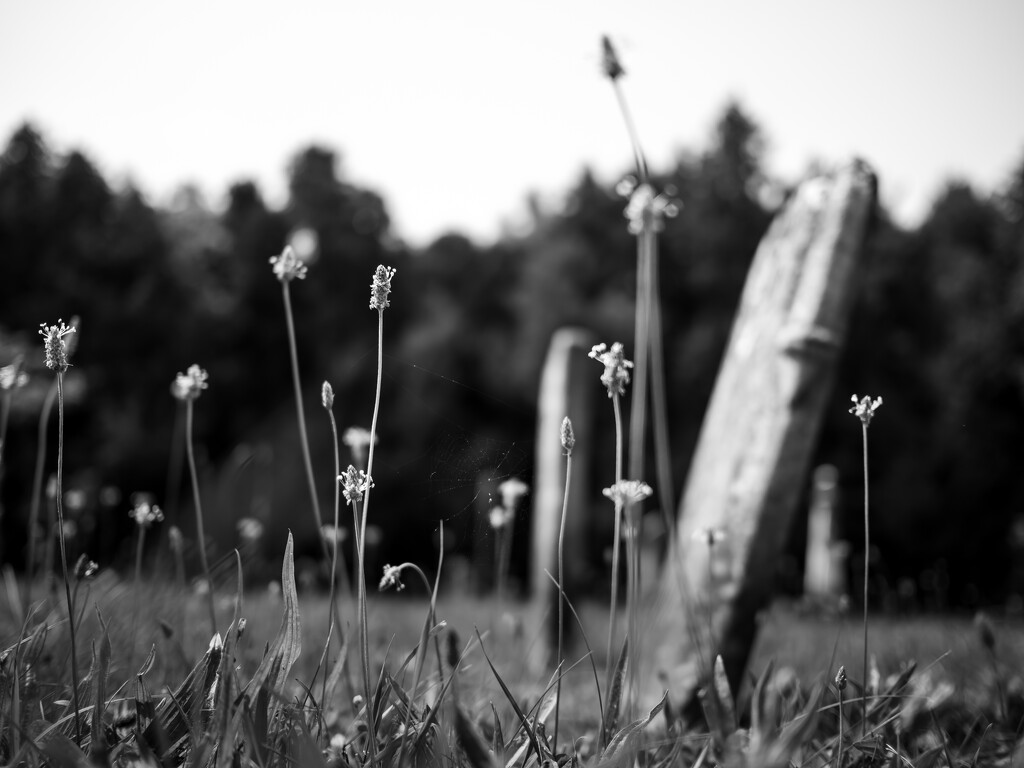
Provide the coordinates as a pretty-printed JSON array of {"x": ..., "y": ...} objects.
[{"x": 611, "y": 713}]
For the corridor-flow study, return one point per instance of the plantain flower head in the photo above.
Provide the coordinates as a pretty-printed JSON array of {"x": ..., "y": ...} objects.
[
  {"x": 616, "y": 367},
  {"x": 190, "y": 385},
  {"x": 568, "y": 438},
  {"x": 380, "y": 288},
  {"x": 392, "y": 578},
  {"x": 626, "y": 493},
  {"x": 288, "y": 266},
  {"x": 144, "y": 513},
  {"x": 646, "y": 210},
  {"x": 55, "y": 346},
  {"x": 864, "y": 408},
  {"x": 355, "y": 483},
  {"x": 327, "y": 395}
]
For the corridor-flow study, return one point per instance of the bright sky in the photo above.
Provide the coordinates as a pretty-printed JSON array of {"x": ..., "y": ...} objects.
[{"x": 454, "y": 109}]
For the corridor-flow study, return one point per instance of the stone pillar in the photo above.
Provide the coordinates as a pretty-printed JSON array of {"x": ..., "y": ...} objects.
[
  {"x": 566, "y": 389},
  {"x": 759, "y": 432}
]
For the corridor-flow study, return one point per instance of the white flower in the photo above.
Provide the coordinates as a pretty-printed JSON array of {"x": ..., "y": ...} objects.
[
  {"x": 392, "y": 578},
  {"x": 380, "y": 288},
  {"x": 512, "y": 490},
  {"x": 355, "y": 483},
  {"x": 144, "y": 513},
  {"x": 626, "y": 493},
  {"x": 864, "y": 409},
  {"x": 190, "y": 385},
  {"x": 616, "y": 367},
  {"x": 288, "y": 266}
]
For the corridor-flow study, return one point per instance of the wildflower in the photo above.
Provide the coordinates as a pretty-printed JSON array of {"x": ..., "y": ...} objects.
[
  {"x": 864, "y": 409},
  {"x": 55, "y": 346},
  {"x": 288, "y": 266},
  {"x": 568, "y": 438},
  {"x": 841, "y": 678},
  {"x": 616, "y": 367},
  {"x": 355, "y": 483},
  {"x": 512, "y": 490},
  {"x": 710, "y": 536},
  {"x": 626, "y": 493},
  {"x": 12, "y": 377},
  {"x": 249, "y": 529},
  {"x": 327, "y": 395},
  {"x": 499, "y": 517},
  {"x": 392, "y": 578},
  {"x": 85, "y": 569},
  {"x": 381, "y": 287},
  {"x": 334, "y": 535},
  {"x": 145, "y": 514},
  {"x": 646, "y": 210},
  {"x": 190, "y": 385}
]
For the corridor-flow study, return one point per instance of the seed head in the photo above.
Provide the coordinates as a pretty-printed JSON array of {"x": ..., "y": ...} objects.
[
  {"x": 355, "y": 483},
  {"x": 568, "y": 438},
  {"x": 144, "y": 513},
  {"x": 646, "y": 210},
  {"x": 841, "y": 679},
  {"x": 327, "y": 395},
  {"x": 392, "y": 578},
  {"x": 190, "y": 385},
  {"x": 54, "y": 345},
  {"x": 626, "y": 493},
  {"x": 380, "y": 288},
  {"x": 288, "y": 266},
  {"x": 610, "y": 65},
  {"x": 12, "y": 376},
  {"x": 864, "y": 409},
  {"x": 616, "y": 367}
]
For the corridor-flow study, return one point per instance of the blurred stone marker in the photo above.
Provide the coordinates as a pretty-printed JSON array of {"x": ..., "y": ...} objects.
[
  {"x": 824, "y": 577},
  {"x": 567, "y": 388},
  {"x": 760, "y": 429}
]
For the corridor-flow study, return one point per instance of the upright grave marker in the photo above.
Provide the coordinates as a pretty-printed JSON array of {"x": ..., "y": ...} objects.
[{"x": 760, "y": 428}]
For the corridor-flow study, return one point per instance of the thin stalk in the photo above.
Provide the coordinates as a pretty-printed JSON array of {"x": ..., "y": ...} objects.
[
  {"x": 198, "y": 504},
  {"x": 659, "y": 399},
  {"x": 867, "y": 553},
  {"x": 37, "y": 488},
  {"x": 641, "y": 347},
  {"x": 839, "y": 750},
  {"x": 613, "y": 611},
  {"x": 301, "y": 412},
  {"x": 141, "y": 543},
  {"x": 632, "y": 607},
  {"x": 64, "y": 553},
  {"x": 346, "y": 587},
  {"x": 561, "y": 586},
  {"x": 363, "y": 630}
]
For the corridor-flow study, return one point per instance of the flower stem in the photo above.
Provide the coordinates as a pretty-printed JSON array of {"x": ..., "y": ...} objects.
[
  {"x": 363, "y": 630},
  {"x": 346, "y": 587},
  {"x": 867, "y": 558},
  {"x": 141, "y": 543},
  {"x": 301, "y": 412},
  {"x": 197, "y": 503},
  {"x": 613, "y": 611},
  {"x": 560, "y": 658},
  {"x": 64, "y": 553}
]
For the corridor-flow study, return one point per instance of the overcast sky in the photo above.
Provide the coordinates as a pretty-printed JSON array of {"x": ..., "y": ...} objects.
[{"x": 453, "y": 110}]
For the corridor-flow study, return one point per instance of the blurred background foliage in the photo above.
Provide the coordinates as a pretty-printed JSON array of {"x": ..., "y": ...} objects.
[{"x": 938, "y": 331}]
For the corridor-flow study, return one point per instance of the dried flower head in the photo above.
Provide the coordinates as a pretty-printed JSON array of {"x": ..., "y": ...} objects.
[
  {"x": 288, "y": 266},
  {"x": 327, "y": 395},
  {"x": 144, "y": 513},
  {"x": 616, "y": 367},
  {"x": 250, "y": 530},
  {"x": 568, "y": 438},
  {"x": 380, "y": 288},
  {"x": 392, "y": 578},
  {"x": 864, "y": 409},
  {"x": 709, "y": 536},
  {"x": 355, "y": 483},
  {"x": 841, "y": 678},
  {"x": 512, "y": 490},
  {"x": 190, "y": 385},
  {"x": 646, "y": 210},
  {"x": 54, "y": 345},
  {"x": 626, "y": 493},
  {"x": 12, "y": 376}
]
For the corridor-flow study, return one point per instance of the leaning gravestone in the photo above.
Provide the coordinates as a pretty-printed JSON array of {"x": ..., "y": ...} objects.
[
  {"x": 566, "y": 389},
  {"x": 755, "y": 445}
]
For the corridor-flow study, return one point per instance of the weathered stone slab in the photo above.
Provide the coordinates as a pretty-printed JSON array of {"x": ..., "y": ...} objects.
[{"x": 761, "y": 425}]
